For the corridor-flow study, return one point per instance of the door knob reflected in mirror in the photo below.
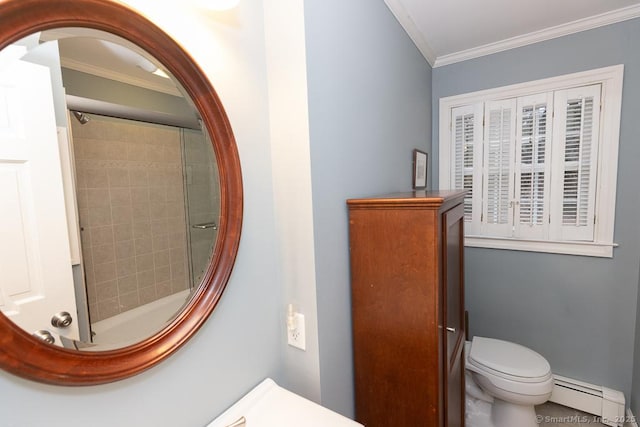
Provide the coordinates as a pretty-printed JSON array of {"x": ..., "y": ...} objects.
[
  {"x": 45, "y": 336},
  {"x": 61, "y": 320}
]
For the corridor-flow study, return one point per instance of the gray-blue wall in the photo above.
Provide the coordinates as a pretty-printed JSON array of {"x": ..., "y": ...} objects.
[
  {"x": 635, "y": 385},
  {"x": 579, "y": 312},
  {"x": 369, "y": 106}
]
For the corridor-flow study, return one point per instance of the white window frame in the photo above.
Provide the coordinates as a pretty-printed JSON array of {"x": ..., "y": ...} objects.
[{"x": 607, "y": 161}]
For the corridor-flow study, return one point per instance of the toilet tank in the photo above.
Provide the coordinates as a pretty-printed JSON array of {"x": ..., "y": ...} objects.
[{"x": 269, "y": 405}]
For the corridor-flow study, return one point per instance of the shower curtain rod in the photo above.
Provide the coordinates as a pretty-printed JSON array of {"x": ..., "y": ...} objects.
[{"x": 86, "y": 105}]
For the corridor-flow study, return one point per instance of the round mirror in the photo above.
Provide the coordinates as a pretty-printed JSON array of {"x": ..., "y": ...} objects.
[{"x": 123, "y": 192}]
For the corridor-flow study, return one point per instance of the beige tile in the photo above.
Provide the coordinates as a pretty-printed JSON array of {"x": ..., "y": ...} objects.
[
  {"x": 94, "y": 149},
  {"x": 147, "y": 294},
  {"x": 136, "y": 152},
  {"x": 93, "y": 312},
  {"x": 105, "y": 272},
  {"x": 96, "y": 178},
  {"x": 155, "y": 153},
  {"x": 178, "y": 255},
  {"x": 129, "y": 301},
  {"x": 175, "y": 210},
  {"x": 106, "y": 290},
  {"x": 127, "y": 284},
  {"x": 157, "y": 194},
  {"x": 172, "y": 153},
  {"x": 158, "y": 227},
  {"x": 160, "y": 243},
  {"x": 123, "y": 231},
  {"x": 126, "y": 267},
  {"x": 117, "y": 150},
  {"x": 92, "y": 293},
  {"x": 89, "y": 275},
  {"x": 142, "y": 230},
  {"x": 120, "y": 196},
  {"x": 163, "y": 289},
  {"x": 101, "y": 235},
  {"x": 141, "y": 212},
  {"x": 177, "y": 240},
  {"x": 85, "y": 236},
  {"x": 178, "y": 271},
  {"x": 145, "y": 262},
  {"x": 158, "y": 210},
  {"x": 161, "y": 258},
  {"x": 98, "y": 216},
  {"x": 82, "y": 198},
  {"x": 163, "y": 274},
  {"x": 173, "y": 176},
  {"x": 125, "y": 249},
  {"x": 122, "y": 214},
  {"x": 143, "y": 246},
  {"x": 146, "y": 278},
  {"x": 103, "y": 254},
  {"x": 157, "y": 177},
  {"x": 97, "y": 197},
  {"x": 108, "y": 308},
  {"x": 174, "y": 193},
  {"x": 139, "y": 195},
  {"x": 118, "y": 177},
  {"x": 138, "y": 177},
  {"x": 179, "y": 284}
]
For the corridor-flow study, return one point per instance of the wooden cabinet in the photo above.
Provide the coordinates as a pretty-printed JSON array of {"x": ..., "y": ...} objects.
[{"x": 407, "y": 299}]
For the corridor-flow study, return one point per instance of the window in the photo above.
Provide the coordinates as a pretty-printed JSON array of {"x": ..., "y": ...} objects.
[{"x": 538, "y": 161}]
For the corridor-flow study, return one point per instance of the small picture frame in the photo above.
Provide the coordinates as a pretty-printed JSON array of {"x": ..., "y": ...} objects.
[{"x": 420, "y": 162}]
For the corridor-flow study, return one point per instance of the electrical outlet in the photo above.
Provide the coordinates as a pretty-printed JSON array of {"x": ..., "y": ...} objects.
[{"x": 296, "y": 333}]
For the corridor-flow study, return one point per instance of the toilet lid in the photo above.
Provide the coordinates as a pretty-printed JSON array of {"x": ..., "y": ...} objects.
[{"x": 508, "y": 358}]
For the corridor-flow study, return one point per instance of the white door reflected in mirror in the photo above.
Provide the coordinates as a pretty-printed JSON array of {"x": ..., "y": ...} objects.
[{"x": 35, "y": 257}]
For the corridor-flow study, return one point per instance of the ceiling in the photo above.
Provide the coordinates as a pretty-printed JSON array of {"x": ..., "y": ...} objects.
[
  {"x": 108, "y": 56},
  {"x": 456, "y": 30}
]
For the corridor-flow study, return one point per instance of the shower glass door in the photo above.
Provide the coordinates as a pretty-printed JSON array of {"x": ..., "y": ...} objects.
[{"x": 202, "y": 201}]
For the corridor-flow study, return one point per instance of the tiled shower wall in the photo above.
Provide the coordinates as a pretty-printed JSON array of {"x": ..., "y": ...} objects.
[{"x": 132, "y": 214}]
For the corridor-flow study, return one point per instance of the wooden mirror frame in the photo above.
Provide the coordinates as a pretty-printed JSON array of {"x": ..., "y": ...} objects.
[{"x": 25, "y": 356}]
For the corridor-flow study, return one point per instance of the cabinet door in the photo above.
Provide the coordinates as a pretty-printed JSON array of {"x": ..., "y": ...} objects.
[{"x": 453, "y": 245}]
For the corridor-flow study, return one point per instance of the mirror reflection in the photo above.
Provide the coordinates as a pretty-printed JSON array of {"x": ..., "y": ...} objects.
[{"x": 112, "y": 190}]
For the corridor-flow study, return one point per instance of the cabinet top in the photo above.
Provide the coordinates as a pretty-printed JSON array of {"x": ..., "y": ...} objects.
[{"x": 422, "y": 199}]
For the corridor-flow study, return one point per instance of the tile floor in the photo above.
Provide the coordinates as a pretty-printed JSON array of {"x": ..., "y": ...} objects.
[{"x": 554, "y": 415}]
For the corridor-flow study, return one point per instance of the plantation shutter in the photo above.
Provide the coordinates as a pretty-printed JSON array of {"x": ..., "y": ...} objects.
[
  {"x": 499, "y": 143},
  {"x": 575, "y": 162},
  {"x": 466, "y": 153},
  {"x": 533, "y": 166}
]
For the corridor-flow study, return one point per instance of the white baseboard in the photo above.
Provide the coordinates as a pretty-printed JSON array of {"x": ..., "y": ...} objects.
[
  {"x": 631, "y": 419},
  {"x": 593, "y": 399}
]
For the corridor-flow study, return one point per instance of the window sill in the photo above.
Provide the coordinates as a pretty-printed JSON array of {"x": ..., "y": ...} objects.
[{"x": 595, "y": 249}]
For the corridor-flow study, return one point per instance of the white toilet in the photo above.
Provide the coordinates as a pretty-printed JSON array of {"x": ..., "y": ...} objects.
[{"x": 504, "y": 381}]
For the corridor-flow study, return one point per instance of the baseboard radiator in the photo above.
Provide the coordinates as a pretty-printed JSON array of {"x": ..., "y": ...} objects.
[{"x": 592, "y": 399}]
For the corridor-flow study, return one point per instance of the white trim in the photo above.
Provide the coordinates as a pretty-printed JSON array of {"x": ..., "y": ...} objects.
[
  {"x": 604, "y": 250},
  {"x": 603, "y": 402},
  {"x": 611, "y": 79},
  {"x": 631, "y": 419},
  {"x": 405, "y": 20},
  {"x": 607, "y": 18},
  {"x": 119, "y": 77}
]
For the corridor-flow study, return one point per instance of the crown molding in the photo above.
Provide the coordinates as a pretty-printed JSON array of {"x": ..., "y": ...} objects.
[
  {"x": 577, "y": 26},
  {"x": 119, "y": 77},
  {"x": 405, "y": 20}
]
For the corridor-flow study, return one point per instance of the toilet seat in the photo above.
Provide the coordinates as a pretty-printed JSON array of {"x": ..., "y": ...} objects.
[{"x": 509, "y": 361}]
